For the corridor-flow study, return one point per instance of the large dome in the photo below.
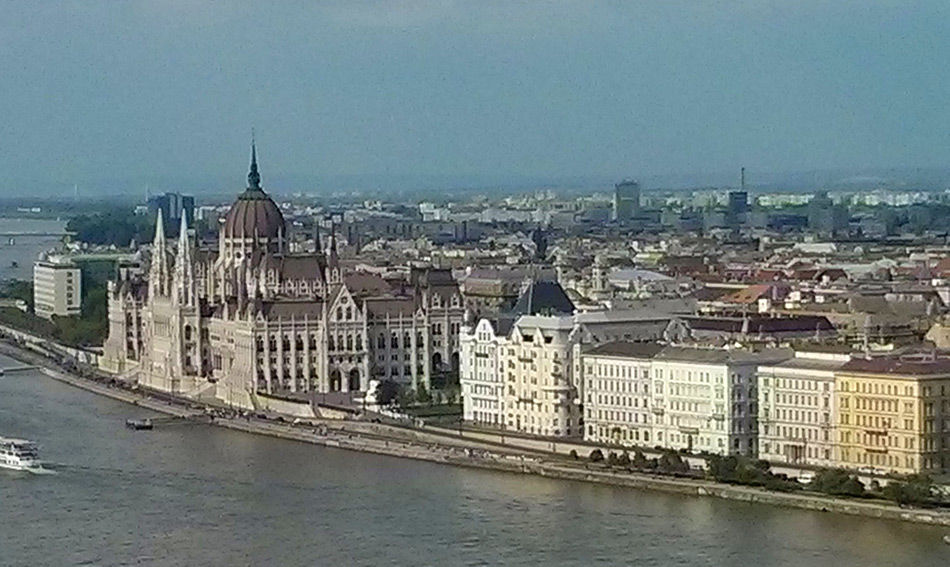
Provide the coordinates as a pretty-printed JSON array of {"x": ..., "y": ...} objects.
[{"x": 254, "y": 213}]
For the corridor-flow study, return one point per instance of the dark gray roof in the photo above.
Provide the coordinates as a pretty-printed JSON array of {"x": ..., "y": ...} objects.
[
  {"x": 543, "y": 298},
  {"x": 626, "y": 349}
]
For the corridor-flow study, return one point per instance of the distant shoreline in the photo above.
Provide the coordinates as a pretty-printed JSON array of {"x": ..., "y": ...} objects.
[{"x": 425, "y": 446}]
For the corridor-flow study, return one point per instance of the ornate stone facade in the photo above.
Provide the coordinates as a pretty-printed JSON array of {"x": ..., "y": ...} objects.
[{"x": 251, "y": 319}]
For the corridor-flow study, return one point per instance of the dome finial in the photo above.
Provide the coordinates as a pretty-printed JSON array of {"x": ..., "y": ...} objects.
[{"x": 253, "y": 177}]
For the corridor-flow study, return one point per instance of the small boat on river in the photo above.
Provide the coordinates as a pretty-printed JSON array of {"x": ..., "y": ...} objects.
[
  {"x": 139, "y": 424},
  {"x": 19, "y": 455}
]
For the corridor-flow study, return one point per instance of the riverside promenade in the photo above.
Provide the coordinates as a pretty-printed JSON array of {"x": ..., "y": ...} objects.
[{"x": 441, "y": 448}]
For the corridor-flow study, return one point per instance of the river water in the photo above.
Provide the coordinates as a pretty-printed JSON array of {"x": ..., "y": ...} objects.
[
  {"x": 198, "y": 495},
  {"x": 17, "y": 253}
]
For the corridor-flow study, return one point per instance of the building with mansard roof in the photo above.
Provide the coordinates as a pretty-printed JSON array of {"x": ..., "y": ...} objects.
[{"x": 247, "y": 320}]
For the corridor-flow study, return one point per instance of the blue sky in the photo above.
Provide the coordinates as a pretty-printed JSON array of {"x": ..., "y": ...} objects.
[{"x": 116, "y": 94}]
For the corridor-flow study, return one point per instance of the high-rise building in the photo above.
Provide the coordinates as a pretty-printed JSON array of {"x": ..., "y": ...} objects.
[
  {"x": 173, "y": 207},
  {"x": 626, "y": 200},
  {"x": 737, "y": 208},
  {"x": 57, "y": 287}
]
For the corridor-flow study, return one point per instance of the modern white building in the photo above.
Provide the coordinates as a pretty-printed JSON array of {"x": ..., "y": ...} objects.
[
  {"x": 57, "y": 287},
  {"x": 696, "y": 399},
  {"x": 797, "y": 412}
]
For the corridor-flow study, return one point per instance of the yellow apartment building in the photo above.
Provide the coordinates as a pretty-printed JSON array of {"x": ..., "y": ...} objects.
[{"x": 894, "y": 414}]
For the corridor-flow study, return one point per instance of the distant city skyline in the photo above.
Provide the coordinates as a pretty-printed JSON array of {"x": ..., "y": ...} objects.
[{"x": 451, "y": 94}]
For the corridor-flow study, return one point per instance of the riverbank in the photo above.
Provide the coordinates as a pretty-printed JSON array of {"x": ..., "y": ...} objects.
[{"x": 438, "y": 448}]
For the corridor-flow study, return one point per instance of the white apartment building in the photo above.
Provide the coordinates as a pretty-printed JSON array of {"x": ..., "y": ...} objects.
[
  {"x": 797, "y": 411},
  {"x": 57, "y": 287},
  {"x": 538, "y": 364},
  {"x": 617, "y": 380},
  {"x": 481, "y": 372},
  {"x": 677, "y": 397}
]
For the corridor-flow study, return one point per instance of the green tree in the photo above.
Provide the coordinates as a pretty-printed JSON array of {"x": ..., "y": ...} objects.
[
  {"x": 596, "y": 456},
  {"x": 672, "y": 462},
  {"x": 387, "y": 392},
  {"x": 639, "y": 460},
  {"x": 915, "y": 489},
  {"x": 623, "y": 460},
  {"x": 422, "y": 394},
  {"x": 837, "y": 482}
]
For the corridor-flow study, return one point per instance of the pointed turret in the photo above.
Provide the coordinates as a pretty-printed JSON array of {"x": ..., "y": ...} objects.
[
  {"x": 334, "y": 254},
  {"x": 253, "y": 176},
  {"x": 159, "y": 272},
  {"x": 184, "y": 266},
  {"x": 159, "y": 229}
]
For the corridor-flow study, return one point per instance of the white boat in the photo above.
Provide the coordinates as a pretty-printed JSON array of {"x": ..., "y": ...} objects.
[{"x": 18, "y": 454}]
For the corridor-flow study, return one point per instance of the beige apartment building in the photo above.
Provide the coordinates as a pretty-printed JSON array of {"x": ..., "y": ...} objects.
[{"x": 894, "y": 414}]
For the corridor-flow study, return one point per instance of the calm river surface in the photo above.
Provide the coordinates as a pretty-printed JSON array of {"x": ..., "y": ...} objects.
[{"x": 198, "y": 495}]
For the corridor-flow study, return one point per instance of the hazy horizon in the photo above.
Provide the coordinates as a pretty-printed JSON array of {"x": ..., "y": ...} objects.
[{"x": 408, "y": 94}]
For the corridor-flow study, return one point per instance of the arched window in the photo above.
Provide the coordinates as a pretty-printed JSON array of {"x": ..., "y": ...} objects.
[
  {"x": 359, "y": 342},
  {"x": 395, "y": 341},
  {"x": 349, "y": 342},
  {"x": 406, "y": 340},
  {"x": 331, "y": 344},
  {"x": 339, "y": 341},
  {"x": 381, "y": 341},
  {"x": 349, "y": 313},
  {"x": 339, "y": 313}
]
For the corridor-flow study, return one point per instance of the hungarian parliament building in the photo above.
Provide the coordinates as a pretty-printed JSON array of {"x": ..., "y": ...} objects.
[{"x": 247, "y": 318}]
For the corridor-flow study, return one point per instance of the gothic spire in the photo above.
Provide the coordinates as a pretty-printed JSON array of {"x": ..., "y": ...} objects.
[
  {"x": 253, "y": 177},
  {"x": 184, "y": 267},
  {"x": 184, "y": 244},
  {"x": 159, "y": 272},
  {"x": 334, "y": 253},
  {"x": 159, "y": 229}
]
